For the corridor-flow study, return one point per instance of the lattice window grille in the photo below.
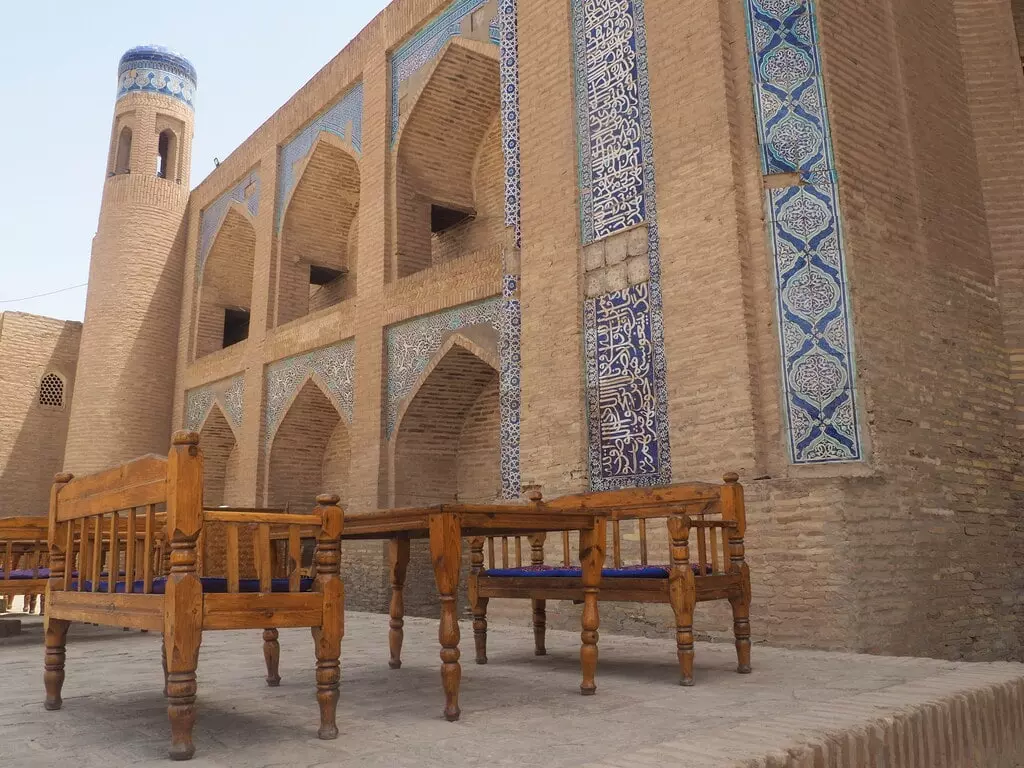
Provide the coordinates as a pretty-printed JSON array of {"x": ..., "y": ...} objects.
[{"x": 51, "y": 391}]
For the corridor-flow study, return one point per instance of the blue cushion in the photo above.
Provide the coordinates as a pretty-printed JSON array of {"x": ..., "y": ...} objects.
[
  {"x": 27, "y": 573},
  {"x": 211, "y": 585},
  {"x": 627, "y": 572}
]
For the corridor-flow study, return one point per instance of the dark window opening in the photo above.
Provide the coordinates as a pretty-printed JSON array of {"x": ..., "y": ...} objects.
[
  {"x": 324, "y": 275},
  {"x": 165, "y": 154},
  {"x": 122, "y": 161},
  {"x": 442, "y": 218},
  {"x": 236, "y": 326}
]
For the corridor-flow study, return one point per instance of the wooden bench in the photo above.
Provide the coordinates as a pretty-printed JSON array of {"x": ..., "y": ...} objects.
[
  {"x": 24, "y": 558},
  {"x": 709, "y": 516},
  {"x": 122, "y": 512}
]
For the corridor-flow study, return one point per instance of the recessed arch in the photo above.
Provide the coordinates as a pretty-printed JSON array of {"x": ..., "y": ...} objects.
[
  {"x": 123, "y": 156},
  {"x": 223, "y": 485},
  {"x": 319, "y": 231},
  {"x": 225, "y": 287},
  {"x": 449, "y": 169},
  {"x": 446, "y": 444},
  {"x": 309, "y": 451}
]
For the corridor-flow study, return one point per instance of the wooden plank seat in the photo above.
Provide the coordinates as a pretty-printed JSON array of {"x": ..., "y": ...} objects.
[
  {"x": 133, "y": 534},
  {"x": 24, "y": 558},
  {"x": 682, "y": 520}
]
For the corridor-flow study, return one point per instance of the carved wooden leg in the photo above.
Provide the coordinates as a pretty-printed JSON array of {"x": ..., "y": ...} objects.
[
  {"x": 682, "y": 593},
  {"x": 328, "y": 680},
  {"x": 53, "y": 676},
  {"x": 398, "y": 552},
  {"x": 182, "y": 660},
  {"x": 327, "y": 638},
  {"x": 539, "y": 627},
  {"x": 476, "y": 603},
  {"x": 30, "y": 604},
  {"x": 446, "y": 555},
  {"x": 741, "y": 623},
  {"x": 592, "y": 544},
  {"x": 272, "y": 655}
]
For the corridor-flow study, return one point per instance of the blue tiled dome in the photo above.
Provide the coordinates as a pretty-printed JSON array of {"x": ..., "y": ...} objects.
[{"x": 158, "y": 57}]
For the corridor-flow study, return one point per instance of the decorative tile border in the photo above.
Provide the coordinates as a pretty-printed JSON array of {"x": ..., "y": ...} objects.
[
  {"x": 509, "y": 48},
  {"x": 154, "y": 69},
  {"x": 333, "y": 367},
  {"x": 812, "y": 297},
  {"x": 509, "y": 338},
  {"x": 625, "y": 364},
  {"x": 228, "y": 393},
  {"x": 214, "y": 214},
  {"x": 344, "y": 120},
  {"x": 411, "y": 346},
  {"x": 423, "y": 46}
]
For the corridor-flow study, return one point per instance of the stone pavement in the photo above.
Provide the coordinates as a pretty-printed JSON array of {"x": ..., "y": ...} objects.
[{"x": 798, "y": 708}]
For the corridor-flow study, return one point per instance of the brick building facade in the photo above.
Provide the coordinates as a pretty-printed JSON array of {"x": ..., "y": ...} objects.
[{"x": 604, "y": 243}]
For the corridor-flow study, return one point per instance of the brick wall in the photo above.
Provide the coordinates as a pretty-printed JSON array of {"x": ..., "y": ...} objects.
[{"x": 32, "y": 436}]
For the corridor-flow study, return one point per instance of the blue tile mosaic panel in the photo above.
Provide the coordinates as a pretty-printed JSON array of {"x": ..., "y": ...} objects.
[
  {"x": 423, "y": 46},
  {"x": 509, "y": 338},
  {"x": 229, "y": 394},
  {"x": 623, "y": 330},
  {"x": 155, "y": 69},
  {"x": 213, "y": 215},
  {"x": 344, "y": 120},
  {"x": 509, "y": 53},
  {"x": 805, "y": 228},
  {"x": 333, "y": 367}
]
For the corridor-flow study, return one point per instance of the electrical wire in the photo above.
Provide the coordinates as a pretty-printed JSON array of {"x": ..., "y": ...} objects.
[{"x": 40, "y": 295}]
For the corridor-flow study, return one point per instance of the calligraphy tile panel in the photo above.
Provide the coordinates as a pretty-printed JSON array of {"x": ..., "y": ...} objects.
[
  {"x": 247, "y": 192},
  {"x": 509, "y": 53},
  {"x": 344, "y": 120},
  {"x": 805, "y": 229},
  {"x": 623, "y": 330}
]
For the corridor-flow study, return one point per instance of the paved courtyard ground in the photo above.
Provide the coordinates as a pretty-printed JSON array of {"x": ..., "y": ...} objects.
[{"x": 518, "y": 710}]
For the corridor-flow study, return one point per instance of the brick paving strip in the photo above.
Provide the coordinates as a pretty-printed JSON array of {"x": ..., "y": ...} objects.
[{"x": 803, "y": 709}]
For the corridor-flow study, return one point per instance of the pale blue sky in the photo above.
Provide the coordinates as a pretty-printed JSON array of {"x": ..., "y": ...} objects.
[{"x": 58, "y": 76}]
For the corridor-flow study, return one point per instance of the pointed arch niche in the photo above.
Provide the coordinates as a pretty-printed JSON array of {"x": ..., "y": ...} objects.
[
  {"x": 309, "y": 451},
  {"x": 446, "y": 443},
  {"x": 223, "y": 485},
  {"x": 319, "y": 231},
  {"x": 225, "y": 287},
  {"x": 449, "y": 164}
]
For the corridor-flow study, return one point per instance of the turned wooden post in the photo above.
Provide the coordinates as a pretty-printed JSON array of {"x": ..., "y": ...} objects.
[
  {"x": 398, "y": 556},
  {"x": 56, "y": 630},
  {"x": 733, "y": 509},
  {"x": 183, "y": 619},
  {"x": 446, "y": 556},
  {"x": 478, "y": 604},
  {"x": 327, "y": 637},
  {"x": 592, "y": 546},
  {"x": 540, "y": 619},
  {"x": 272, "y": 656},
  {"x": 682, "y": 593}
]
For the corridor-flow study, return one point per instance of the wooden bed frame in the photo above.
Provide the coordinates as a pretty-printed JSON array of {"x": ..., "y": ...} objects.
[
  {"x": 712, "y": 514},
  {"x": 24, "y": 558},
  {"x": 106, "y": 511}
]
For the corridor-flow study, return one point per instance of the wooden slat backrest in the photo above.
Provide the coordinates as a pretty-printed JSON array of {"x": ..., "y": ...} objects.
[
  {"x": 135, "y": 484},
  {"x": 639, "y": 533}
]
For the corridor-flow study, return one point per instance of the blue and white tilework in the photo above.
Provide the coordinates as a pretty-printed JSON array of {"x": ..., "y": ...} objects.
[
  {"x": 812, "y": 297},
  {"x": 413, "y": 54},
  {"x": 509, "y": 337},
  {"x": 509, "y": 52},
  {"x": 333, "y": 367},
  {"x": 411, "y": 346},
  {"x": 229, "y": 394},
  {"x": 155, "y": 69},
  {"x": 623, "y": 331},
  {"x": 213, "y": 215},
  {"x": 344, "y": 120}
]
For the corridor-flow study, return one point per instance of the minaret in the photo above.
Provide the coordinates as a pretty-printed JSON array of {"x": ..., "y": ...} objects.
[{"x": 125, "y": 380}]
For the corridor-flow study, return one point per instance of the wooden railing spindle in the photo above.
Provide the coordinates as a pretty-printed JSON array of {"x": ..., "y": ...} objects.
[
  {"x": 69, "y": 557},
  {"x": 616, "y": 544},
  {"x": 565, "y": 549},
  {"x": 83, "y": 552},
  {"x": 130, "y": 546},
  {"x": 97, "y": 552},
  {"x": 702, "y": 552},
  {"x": 147, "y": 551},
  {"x": 642, "y": 527},
  {"x": 491, "y": 560},
  {"x": 9, "y": 564},
  {"x": 519, "y": 552},
  {"x": 114, "y": 569},
  {"x": 263, "y": 564},
  {"x": 504, "y": 551},
  {"x": 232, "y": 555},
  {"x": 294, "y": 559},
  {"x": 715, "y": 561}
]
